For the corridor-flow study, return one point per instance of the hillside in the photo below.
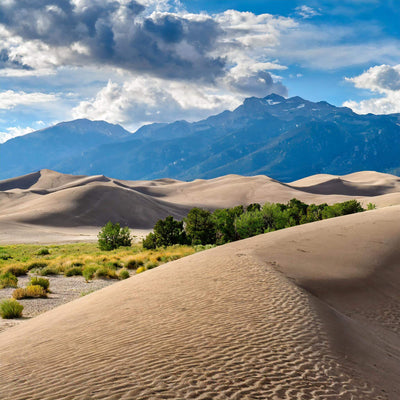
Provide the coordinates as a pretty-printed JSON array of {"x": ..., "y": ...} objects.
[{"x": 285, "y": 139}]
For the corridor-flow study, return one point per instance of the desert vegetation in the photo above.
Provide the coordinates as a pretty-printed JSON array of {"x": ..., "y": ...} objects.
[
  {"x": 202, "y": 227},
  {"x": 84, "y": 260}
]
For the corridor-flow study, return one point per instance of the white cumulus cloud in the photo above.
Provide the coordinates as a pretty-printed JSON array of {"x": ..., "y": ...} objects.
[{"x": 383, "y": 80}]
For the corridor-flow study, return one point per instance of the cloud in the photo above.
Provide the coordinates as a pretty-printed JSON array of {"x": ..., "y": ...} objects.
[
  {"x": 14, "y": 132},
  {"x": 306, "y": 12},
  {"x": 148, "y": 99},
  {"x": 10, "y": 99},
  {"x": 115, "y": 33},
  {"x": 381, "y": 79}
]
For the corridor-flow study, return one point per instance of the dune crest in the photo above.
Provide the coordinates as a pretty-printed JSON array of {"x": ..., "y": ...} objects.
[{"x": 67, "y": 203}]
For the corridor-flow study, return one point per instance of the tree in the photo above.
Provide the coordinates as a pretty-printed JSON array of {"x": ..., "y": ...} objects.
[
  {"x": 113, "y": 236},
  {"x": 150, "y": 242},
  {"x": 224, "y": 222},
  {"x": 169, "y": 232},
  {"x": 250, "y": 224},
  {"x": 199, "y": 226}
]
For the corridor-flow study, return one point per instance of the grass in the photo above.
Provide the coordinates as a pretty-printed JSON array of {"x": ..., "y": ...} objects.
[
  {"x": 84, "y": 259},
  {"x": 7, "y": 279},
  {"x": 11, "y": 309},
  {"x": 43, "y": 282},
  {"x": 30, "y": 292}
]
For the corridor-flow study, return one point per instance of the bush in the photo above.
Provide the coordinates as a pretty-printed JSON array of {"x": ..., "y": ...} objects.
[
  {"x": 73, "y": 271},
  {"x": 43, "y": 282},
  {"x": 113, "y": 236},
  {"x": 104, "y": 272},
  {"x": 151, "y": 265},
  {"x": 123, "y": 274},
  {"x": 11, "y": 309},
  {"x": 37, "y": 265},
  {"x": 88, "y": 273},
  {"x": 8, "y": 280},
  {"x": 49, "y": 271},
  {"x": 30, "y": 292},
  {"x": 134, "y": 264},
  {"x": 113, "y": 265},
  {"x": 43, "y": 252},
  {"x": 371, "y": 206},
  {"x": 16, "y": 270}
]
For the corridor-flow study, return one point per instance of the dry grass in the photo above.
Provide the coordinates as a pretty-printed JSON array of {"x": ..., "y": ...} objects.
[{"x": 73, "y": 259}]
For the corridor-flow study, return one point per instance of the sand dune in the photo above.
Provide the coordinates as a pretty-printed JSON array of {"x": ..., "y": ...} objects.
[
  {"x": 47, "y": 199},
  {"x": 310, "y": 312}
]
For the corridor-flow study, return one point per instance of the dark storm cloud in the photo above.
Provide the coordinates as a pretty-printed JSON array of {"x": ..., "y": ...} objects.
[
  {"x": 167, "y": 46},
  {"x": 258, "y": 84},
  {"x": 7, "y": 62}
]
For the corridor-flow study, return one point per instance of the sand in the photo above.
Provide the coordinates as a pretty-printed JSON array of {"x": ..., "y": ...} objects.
[
  {"x": 49, "y": 207},
  {"x": 310, "y": 312}
]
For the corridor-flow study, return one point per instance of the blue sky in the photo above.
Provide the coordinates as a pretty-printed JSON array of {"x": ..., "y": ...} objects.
[{"x": 136, "y": 62}]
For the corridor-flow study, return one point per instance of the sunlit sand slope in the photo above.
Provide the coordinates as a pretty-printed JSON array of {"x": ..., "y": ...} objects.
[{"x": 305, "y": 313}]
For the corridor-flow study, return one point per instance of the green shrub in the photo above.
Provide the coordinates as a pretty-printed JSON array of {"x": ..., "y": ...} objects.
[
  {"x": 43, "y": 282},
  {"x": 104, "y": 272},
  {"x": 4, "y": 256},
  {"x": 113, "y": 265},
  {"x": 134, "y": 264},
  {"x": 43, "y": 252},
  {"x": 151, "y": 265},
  {"x": 37, "y": 265},
  {"x": 8, "y": 280},
  {"x": 113, "y": 236},
  {"x": 30, "y": 292},
  {"x": 371, "y": 206},
  {"x": 11, "y": 309},
  {"x": 123, "y": 274},
  {"x": 16, "y": 270},
  {"x": 89, "y": 272},
  {"x": 49, "y": 271},
  {"x": 73, "y": 271}
]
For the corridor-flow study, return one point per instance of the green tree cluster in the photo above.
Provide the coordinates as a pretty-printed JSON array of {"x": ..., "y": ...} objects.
[
  {"x": 113, "y": 236},
  {"x": 202, "y": 227}
]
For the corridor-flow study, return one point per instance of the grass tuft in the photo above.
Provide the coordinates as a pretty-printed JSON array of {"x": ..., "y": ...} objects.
[
  {"x": 30, "y": 292},
  {"x": 43, "y": 282},
  {"x": 123, "y": 274},
  {"x": 43, "y": 252},
  {"x": 11, "y": 309},
  {"x": 8, "y": 280}
]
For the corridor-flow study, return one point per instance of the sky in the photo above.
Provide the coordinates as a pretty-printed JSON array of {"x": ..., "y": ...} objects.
[{"x": 134, "y": 62}]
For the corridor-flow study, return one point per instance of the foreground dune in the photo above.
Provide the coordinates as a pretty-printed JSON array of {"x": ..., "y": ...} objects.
[
  {"x": 47, "y": 206},
  {"x": 310, "y": 312}
]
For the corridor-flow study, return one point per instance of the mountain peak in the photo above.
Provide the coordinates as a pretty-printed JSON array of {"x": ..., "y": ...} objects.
[{"x": 274, "y": 97}]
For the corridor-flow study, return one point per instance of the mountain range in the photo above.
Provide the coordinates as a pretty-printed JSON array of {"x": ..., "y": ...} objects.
[{"x": 285, "y": 139}]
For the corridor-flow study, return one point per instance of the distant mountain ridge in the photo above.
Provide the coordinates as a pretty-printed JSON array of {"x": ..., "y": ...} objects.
[{"x": 285, "y": 139}]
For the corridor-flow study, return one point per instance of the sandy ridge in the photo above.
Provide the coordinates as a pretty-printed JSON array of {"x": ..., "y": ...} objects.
[{"x": 66, "y": 206}]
